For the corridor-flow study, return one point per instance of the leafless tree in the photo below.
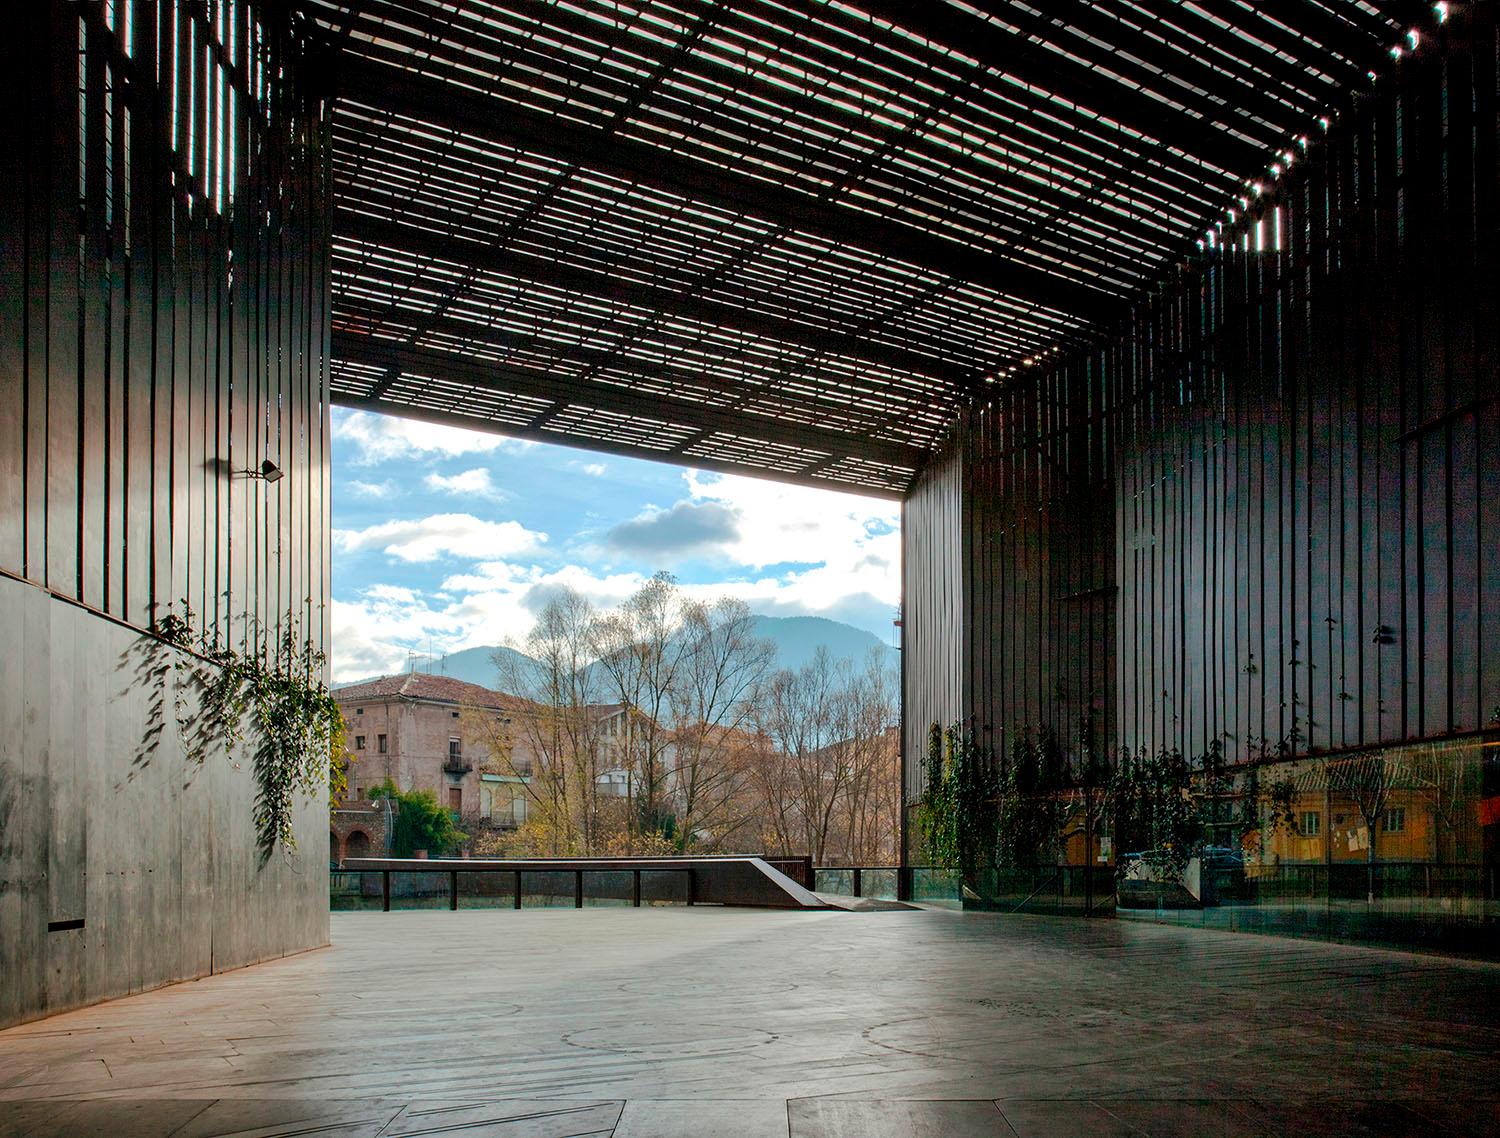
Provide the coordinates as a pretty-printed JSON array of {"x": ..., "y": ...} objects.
[
  {"x": 866, "y": 715},
  {"x": 1366, "y": 780},
  {"x": 639, "y": 656},
  {"x": 802, "y": 715},
  {"x": 558, "y": 732},
  {"x": 721, "y": 670}
]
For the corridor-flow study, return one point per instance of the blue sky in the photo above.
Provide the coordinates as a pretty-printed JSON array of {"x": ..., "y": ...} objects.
[{"x": 454, "y": 538}]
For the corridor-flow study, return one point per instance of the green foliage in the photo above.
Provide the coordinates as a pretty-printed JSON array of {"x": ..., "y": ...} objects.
[
  {"x": 421, "y": 824},
  {"x": 1155, "y": 813},
  {"x": 276, "y": 700},
  {"x": 1266, "y": 808},
  {"x": 957, "y": 816},
  {"x": 1213, "y": 788},
  {"x": 1030, "y": 805}
]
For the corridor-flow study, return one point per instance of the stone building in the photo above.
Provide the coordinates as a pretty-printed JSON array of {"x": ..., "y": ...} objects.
[
  {"x": 426, "y": 732},
  {"x": 360, "y": 828}
]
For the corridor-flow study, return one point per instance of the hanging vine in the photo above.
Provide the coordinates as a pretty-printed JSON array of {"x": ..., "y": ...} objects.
[
  {"x": 1155, "y": 812},
  {"x": 1031, "y": 805},
  {"x": 957, "y": 816},
  {"x": 276, "y": 701}
]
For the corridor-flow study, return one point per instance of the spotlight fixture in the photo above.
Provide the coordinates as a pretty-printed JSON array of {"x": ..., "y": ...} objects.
[{"x": 268, "y": 471}]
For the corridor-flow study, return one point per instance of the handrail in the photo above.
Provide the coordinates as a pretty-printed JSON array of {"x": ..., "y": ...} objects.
[{"x": 721, "y": 880}]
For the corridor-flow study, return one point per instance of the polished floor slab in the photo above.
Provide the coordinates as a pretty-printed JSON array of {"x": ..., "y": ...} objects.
[{"x": 706, "y": 1022}]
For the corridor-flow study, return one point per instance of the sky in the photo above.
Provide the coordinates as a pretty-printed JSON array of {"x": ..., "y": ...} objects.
[{"x": 446, "y": 539}]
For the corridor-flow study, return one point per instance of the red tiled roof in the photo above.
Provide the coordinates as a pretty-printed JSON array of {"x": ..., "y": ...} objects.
[{"x": 422, "y": 685}]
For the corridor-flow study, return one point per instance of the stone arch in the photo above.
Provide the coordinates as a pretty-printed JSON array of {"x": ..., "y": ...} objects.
[
  {"x": 335, "y": 849},
  {"x": 357, "y": 844}
]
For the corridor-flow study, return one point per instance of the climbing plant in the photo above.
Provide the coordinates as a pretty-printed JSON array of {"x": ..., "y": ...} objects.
[
  {"x": 957, "y": 815},
  {"x": 1155, "y": 814},
  {"x": 1266, "y": 809},
  {"x": 274, "y": 700},
  {"x": 1030, "y": 804}
]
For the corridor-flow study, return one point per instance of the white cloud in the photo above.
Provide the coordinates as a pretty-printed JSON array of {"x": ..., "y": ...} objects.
[
  {"x": 384, "y": 489},
  {"x": 495, "y": 604},
  {"x": 851, "y": 544},
  {"x": 846, "y": 550},
  {"x": 474, "y": 483},
  {"x": 596, "y": 469},
  {"x": 372, "y": 635},
  {"x": 455, "y": 535},
  {"x": 392, "y": 594},
  {"x": 379, "y": 438}
]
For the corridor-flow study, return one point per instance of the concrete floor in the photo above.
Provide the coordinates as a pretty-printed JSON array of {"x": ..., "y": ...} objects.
[{"x": 706, "y": 1022}]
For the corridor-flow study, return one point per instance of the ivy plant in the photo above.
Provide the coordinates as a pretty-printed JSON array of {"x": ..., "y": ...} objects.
[
  {"x": 1030, "y": 805},
  {"x": 957, "y": 816},
  {"x": 1155, "y": 813},
  {"x": 273, "y": 699}
]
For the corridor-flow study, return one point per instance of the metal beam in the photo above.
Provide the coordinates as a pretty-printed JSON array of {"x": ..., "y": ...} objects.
[
  {"x": 1168, "y": 70},
  {"x": 1016, "y": 56},
  {"x": 655, "y": 298},
  {"x": 598, "y": 446},
  {"x": 444, "y": 104},
  {"x": 498, "y": 342},
  {"x": 622, "y": 401}
]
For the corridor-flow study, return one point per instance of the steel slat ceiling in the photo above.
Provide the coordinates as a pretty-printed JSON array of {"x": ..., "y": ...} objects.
[{"x": 784, "y": 236}]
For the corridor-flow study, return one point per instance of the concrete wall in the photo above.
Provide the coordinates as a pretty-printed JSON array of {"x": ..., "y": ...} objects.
[
  {"x": 163, "y": 329},
  {"x": 155, "y": 863}
]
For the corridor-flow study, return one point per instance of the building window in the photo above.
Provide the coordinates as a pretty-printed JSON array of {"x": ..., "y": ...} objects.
[
  {"x": 380, "y": 744},
  {"x": 455, "y": 748},
  {"x": 456, "y": 799},
  {"x": 1311, "y": 824},
  {"x": 359, "y": 742},
  {"x": 455, "y": 715},
  {"x": 1395, "y": 820},
  {"x": 359, "y": 711}
]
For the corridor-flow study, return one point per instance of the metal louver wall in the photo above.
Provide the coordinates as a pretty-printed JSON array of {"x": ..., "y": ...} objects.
[
  {"x": 163, "y": 323},
  {"x": 163, "y": 331},
  {"x": 1271, "y": 508}
]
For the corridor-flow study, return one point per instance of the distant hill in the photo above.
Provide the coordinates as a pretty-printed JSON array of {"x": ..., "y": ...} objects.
[
  {"x": 472, "y": 665},
  {"x": 796, "y": 638}
]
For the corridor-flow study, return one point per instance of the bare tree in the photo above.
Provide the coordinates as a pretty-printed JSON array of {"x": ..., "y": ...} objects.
[
  {"x": 865, "y": 717},
  {"x": 721, "y": 670},
  {"x": 801, "y": 713},
  {"x": 639, "y": 656},
  {"x": 1366, "y": 780},
  {"x": 554, "y": 745}
]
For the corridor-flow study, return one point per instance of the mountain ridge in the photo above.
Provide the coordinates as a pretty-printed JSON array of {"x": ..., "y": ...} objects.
[{"x": 797, "y": 639}]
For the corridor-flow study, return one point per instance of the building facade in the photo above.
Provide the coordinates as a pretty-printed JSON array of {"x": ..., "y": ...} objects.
[{"x": 439, "y": 734}]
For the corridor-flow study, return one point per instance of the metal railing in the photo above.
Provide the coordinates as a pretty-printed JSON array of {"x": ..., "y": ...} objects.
[
  {"x": 634, "y": 881},
  {"x": 519, "y": 875}
]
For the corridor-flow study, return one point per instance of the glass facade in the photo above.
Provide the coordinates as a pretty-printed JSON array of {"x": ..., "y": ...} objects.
[{"x": 1396, "y": 845}]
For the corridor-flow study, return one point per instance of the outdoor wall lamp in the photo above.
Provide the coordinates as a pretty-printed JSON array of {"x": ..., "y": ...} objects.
[{"x": 268, "y": 470}]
